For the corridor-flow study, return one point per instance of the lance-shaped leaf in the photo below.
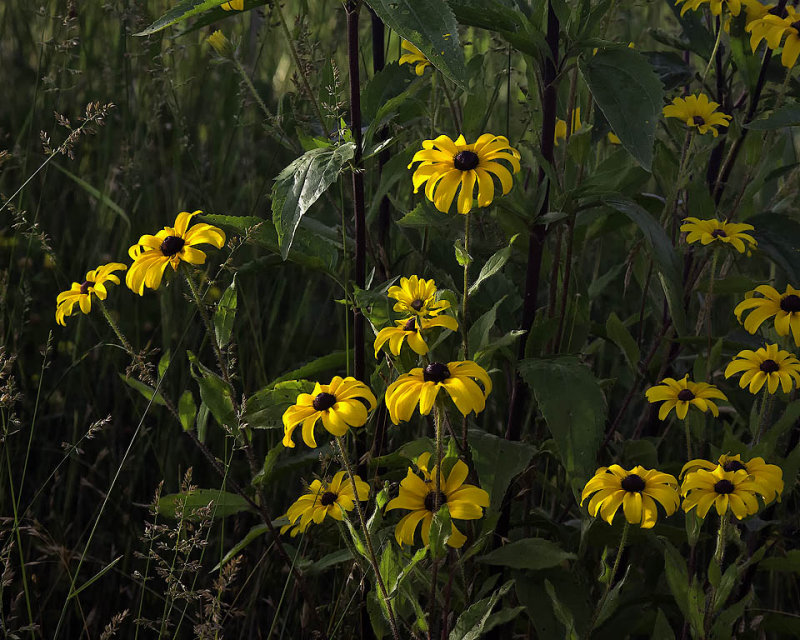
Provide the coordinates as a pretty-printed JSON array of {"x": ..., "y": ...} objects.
[{"x": 179, "y": 13}]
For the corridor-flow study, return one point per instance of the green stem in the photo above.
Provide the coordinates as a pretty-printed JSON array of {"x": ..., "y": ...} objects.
[
  {"x": 622, "y": 542},
  {"x": 713, "y": 52},
  {"x": 719, "y": 552},
  {"x": 707, "y": 311},
  {"x": 671, "y": 204},
  {"x": 465, "y": 295},
  {"x": 451, "y": 103},
  {"x": 688, "y": 439},
  {"x": 763, "y": 415}
]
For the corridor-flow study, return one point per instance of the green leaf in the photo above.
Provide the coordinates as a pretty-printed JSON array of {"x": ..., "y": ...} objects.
[
  {"x": 462, "y": 255},
  {"x": 255, "y": 532},
  {"x": 686, "y": 596},
  {"x": 95, "y": 577},
  {"x": 787, "y": 116},
  {"x": 431, "y": 27},
  {"x": 265, "y": 408},
  {"x": 180, "y": 12},
  {"x": 226, "y": 314},
  {"x": 498, "y": 461},
  {"x": 630, "y": 95},
  {"x": 611, "y": 602},
  {"x": 621, "y": 337},
  {"x": 493, "y": 265},
  {"x": 422, "y": 216},
  {"x": 331, "y": 362},
  {"x": 440, "y": 531},
  {"x": 779, "y": 239},
  {"x": 405, "y": 572},
  {"x": 473, "y": 622},
  {"x": 224, "y": 503},
  {"x": 145, "y": 390},
  {"x": 328, "y": 561},
  {"x": 187, "y": 410},
  {"x": 163, "y": 363},
  {"x": 528, "y": 553},
  {"x": 661, "y": 628},
  {"x": 479, "y": 331},
  {"x": 563, "y": 613},
  {"x": 299, "y": 186},
  {"x": 214, "y": 393}
]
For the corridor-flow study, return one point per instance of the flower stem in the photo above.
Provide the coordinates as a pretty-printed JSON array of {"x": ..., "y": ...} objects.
[
  {"x": 719, "y": 552},
  {"x": 713, "y": 52},
  {"x": 465, "y": 295},
  {"x": 688, "y": 439},
  {"x": 622, "y": 542},
  {"x": 707, "y": 311},
  {"x": 437, "y": 421},
  {"x": 763, "y": 414}
]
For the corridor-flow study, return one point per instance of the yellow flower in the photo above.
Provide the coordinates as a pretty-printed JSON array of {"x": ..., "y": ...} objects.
[
  {"x": 734, "y": 6},
  {"x": 561, "y": 126},
  {"x": 708, "y": 231},
  {"x": 415, "y": 57},
  {"x": 768, "y": 365},
  {"x": 768, "y": 478},
  {"x": 323, "y": 500},
  {"x": 81, "y": 293},
  {"x": 170, "y": 246},
  {"x": 784, "y": 306},
  {"x": 411, "y": 329},
  {"x": 679, "y": 394},
  {"x": 221, "y": 44},
  {"x": 733, "y": 491},
  {"x": 637, "y": 491},
  {"x": 418, "y": 297},
  {"x": 341, "y": 404},
  {"x": 445, "y": 165},
  {"x": 422, "y": 386},
  {"x": 235, "y": 5},
  {"x": 697, "y": 111},
  {"x": 772, "y": 29},
  {"x": 464, "y": 502}
]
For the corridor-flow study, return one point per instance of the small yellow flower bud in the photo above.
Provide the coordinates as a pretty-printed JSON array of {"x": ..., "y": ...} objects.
[{"x": 221, "y": 44}]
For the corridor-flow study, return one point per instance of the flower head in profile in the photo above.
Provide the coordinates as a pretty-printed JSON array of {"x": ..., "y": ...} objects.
[
  {"x": 170, "y": 246},
  {"x": 421, "y": 386},
  {"x": 457, "y": 167},
  {"x": 683, "y": 393},
  {"x": 322, "y": 500},
  {"x": 414, "y": 56},
  {"x": 233, "y": 5},
  {"x": 697, "y": 111},
  {"x": 785, "y": 307},
  {"x": 220, "y": 44},
  {"x": 637, "y": 491},
  {"x": 411, "y": 330},
  {"x": 767, "y": 365},
  {"x": 733, "y": 491},
  {"x": 713, "y": 230},
  {"x": 734, "y": 7},
  {"x": 81, "y": 293},
  {"x": 418, "y": 495},
  {"x": 561, "y": 126},
  {"x": 417, "y": 296},
  {"x": 767, "y": 478},
  {"x": 342, "y": 404},
  {"x": 773, "y": 28}
]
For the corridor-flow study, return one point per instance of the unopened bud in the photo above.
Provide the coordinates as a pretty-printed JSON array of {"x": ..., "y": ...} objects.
[{"x": 221, "y": 44}]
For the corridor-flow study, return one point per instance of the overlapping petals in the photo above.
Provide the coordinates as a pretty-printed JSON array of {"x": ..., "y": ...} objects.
[
  {"x": 81, "y": 293},
  {"x": 323, "y": 500},
  {"x": 767, "y": 478},
  {"x": 417, "y": 296},
  {"x": 411, "y": 330},
  {"x": 697, "y": 111},
  {"x": 708, "y": 231},
  {"x": 767, "y": 365},
  {"x": 734, "y": 6},
  {"x": 727, "y": 491},
  {"x": 414, "y": 57},
  {"x": 785, "y": 307},
  {"x": 773, "y": 28},
  {"x": 683, "y": 393}
]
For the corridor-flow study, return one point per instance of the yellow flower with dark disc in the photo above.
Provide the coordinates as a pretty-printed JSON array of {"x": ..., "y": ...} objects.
[
  {"x": 81, "y": 293},
  {"x": 422, "y": 386},
  {"x": 697, "y": 111},
  {"x": 683, "y": 393},
  {"x": 768, "y": 365},
  {"x": 637, "y": 491},
  {"x": 411, "y": 330},
  {"x": 464, "y": 501},
  {"x": 727, "y": 491},
  {"x": 342, "y": 404},
  {"x": 712, "y": 230},
  {"x": 561, "y": 126},
  {"x": 734, "y": 7},
  {"x": 417, "y": 296},
  {"x": 170, "y": 246},
  {"x": 323, "y": 500},
  {"x": 446, "y": 168},
  {"x": 785, "y": 307},
  {"x": 773, "y": 29},
  {"x": 414, "y": 56},
  {"x": 767, "y": 478}
]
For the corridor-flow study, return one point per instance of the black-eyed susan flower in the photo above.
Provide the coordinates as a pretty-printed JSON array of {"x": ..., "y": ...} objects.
[
  {"x": 233, "y": 5},
  {"x": 733, "y": 491},
  {"x": 342, "y": 404},
  {"x": 81, "y": 293},
  {"x": 785, "y": 307},
  {"x": 414, "y": 56},
  {"x": 768, "y": 365},
  {"x": 561, "y": 126},
  {"x": 457, "y": 167},
  {"x": 773, "y": 28},
  {"x": 170, "y": 246},
  {"x": 683, "y": 393},
  {"x": 411, "y": 330},
  {"x": 322, "y": 500},
  {"x": 464, "y": 501},
  {"x": 417, "y": 296},
  {"x": 767, "y": 478},
  {"x": 637, "y": 491},
  {"x": 734, "y": 7},
  {"x": 422, "y": 386},
  {"x": 713, "y": 230},
  {"x": 697, "y": 111}
]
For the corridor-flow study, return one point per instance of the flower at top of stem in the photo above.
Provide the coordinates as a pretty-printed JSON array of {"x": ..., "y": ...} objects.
[
  {"x": 411, "y": 329},
  {"x": 697, "y": 111},
  {"x": 221, "y": 44},
  {"x": 636, "y": 491},
  {"x": 561, "y": 126},
  {"x": 464, "y": 501},
  {"x": 680, "y": 394},
  {"x": 233, "y": 5},
  {"x": 785, "y": 307},
  {"x": 768, "y": 365},
  {"x": 767, "y": 478},
  {"x": 342, "y": 404},
  {"x": 415, "y": 57},
  {"x": 733, "y": 6},
  {"x": 733, "y": 491},
  {"x": 81, "y": 292},
  {"x": 713, "y": 230},
  {"x": 170, "y": 246},
  {"x": 773, "y": 28},
  {"x": 417, "y": 296},
  {"x": 422, "y": 386},
  {"x": 323, "y": 500},
  {"x": 449, "y": 167}
]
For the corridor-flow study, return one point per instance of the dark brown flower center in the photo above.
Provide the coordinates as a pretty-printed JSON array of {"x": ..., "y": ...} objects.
[
  {"x": 633, "y": 483},
  {"x": 465, "y": 160},
  {"x": 434, "y": 501},
  {"x": 778, "y": 11},
  {"x": 416, "y": 305},
  {"x": 724, "y": 486},
  {"x": 796, "y": 26},
  {"x": 790, "y": 303},
  {"x": 327, "y": 499},
  {"x": 698, "y": 120},
  {"x": 85, "y": 287},
  {"x": 171, "y": 245},
  {"x": 719, "y": 233},
  {"x": 410, "y": 325},
  {"x": 323, "y": 401},
  {"x": 435, "y": 372},
  {"x": 734, "y": 465},
  {"x": 770, "y": 366},
  {"x": 685, "y": 395}
]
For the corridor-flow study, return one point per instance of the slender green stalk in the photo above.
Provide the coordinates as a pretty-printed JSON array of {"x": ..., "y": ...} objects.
[
  {"x": 451, "y": 103},
  {"x": 622, "y": 542},
  {"x": 713, "y": 52},
  {"x": 707, "y": 312},
  {"x": 465, "y": 295},
  {"x": 688, "y": 433},
  {"x": 763, "y": 414}
]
